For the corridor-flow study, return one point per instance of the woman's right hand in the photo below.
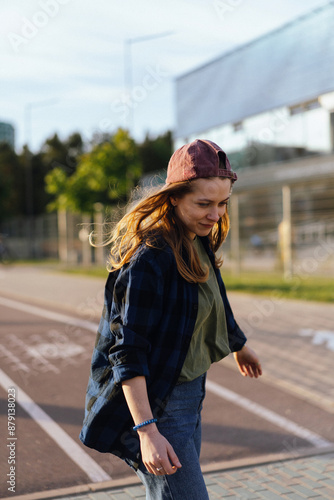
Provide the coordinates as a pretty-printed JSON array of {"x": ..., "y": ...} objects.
[{"x": 157, "y": 453}]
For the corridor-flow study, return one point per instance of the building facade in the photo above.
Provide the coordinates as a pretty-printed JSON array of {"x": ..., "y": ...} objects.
[
  {"x": 7, "y": 134},
  {"x": 270, "y": 105}
]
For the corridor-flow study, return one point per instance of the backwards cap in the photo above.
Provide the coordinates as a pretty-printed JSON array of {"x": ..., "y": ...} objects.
[{"x": 200, "y": 158}]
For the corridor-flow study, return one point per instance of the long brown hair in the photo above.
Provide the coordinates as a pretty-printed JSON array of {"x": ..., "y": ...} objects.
[{"x": 153, "y": 217}]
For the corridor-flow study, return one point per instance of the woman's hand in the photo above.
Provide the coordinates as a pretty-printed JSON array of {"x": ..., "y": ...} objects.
[
  {"x": 248, "y": 362},
  {"x": 157, "y": 453}
]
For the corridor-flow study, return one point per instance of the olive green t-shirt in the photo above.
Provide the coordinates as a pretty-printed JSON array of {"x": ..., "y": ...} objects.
[{"x": 209, "y": 342}]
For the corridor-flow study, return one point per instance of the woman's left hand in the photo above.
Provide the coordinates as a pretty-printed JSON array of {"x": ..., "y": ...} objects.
[{"x": 248, "y": 362}]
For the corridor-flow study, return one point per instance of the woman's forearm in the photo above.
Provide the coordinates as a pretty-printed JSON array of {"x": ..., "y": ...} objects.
[{"x": 135, "y": 392}]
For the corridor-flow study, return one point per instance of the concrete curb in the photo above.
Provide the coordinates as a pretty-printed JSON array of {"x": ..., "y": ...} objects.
[{"x": 132, "y": 480}]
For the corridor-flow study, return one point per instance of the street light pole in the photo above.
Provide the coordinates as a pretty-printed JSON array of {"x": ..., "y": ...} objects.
[
  {"x": 29, "y": 107},
  {"x": 128, "y": 77}
]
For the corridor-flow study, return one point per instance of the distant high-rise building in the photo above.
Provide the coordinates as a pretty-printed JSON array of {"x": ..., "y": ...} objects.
[{"x": 7, "y": 134}]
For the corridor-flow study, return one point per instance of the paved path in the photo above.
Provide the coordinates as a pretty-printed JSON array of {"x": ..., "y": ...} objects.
[
  {"x": 288, "y": 333},
  {"x": 295, "y": 341},
  {"x": 293, "y": 479},
  {"x": 283, "y": 332}
]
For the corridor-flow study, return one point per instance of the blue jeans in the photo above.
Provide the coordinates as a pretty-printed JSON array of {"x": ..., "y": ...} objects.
[{"x": 180, "y": 424}]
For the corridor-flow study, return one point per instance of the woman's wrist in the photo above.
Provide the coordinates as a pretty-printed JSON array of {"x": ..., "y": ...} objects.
[
  {"x": 242, "y": 347},
  {"x": 148, "y": 430},
  {"x": 144, "y": 423}
]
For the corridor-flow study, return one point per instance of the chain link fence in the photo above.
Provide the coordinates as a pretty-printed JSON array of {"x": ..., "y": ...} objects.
[{"x": 282, "y": 219}]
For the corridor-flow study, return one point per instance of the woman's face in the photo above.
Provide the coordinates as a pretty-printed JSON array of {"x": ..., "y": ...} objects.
[{"x": 204, "y": 206}]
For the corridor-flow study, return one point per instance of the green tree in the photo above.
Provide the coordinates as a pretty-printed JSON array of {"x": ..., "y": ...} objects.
[
  {"x": 63, "y": 154},
  {"x": 155, "y": 153},
  {"x": 104, "y": 175},
  {"x": 11, "y": 182}
]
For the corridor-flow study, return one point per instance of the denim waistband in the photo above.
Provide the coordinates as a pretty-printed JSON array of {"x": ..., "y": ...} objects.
[{"x": 195, "y": 381}]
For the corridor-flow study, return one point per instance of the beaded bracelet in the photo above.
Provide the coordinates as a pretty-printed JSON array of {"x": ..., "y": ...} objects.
[{"x": 147, "y": 422}]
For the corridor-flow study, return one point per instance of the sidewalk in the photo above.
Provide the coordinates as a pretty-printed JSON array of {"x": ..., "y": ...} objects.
[{"x": 309, "y": 477}]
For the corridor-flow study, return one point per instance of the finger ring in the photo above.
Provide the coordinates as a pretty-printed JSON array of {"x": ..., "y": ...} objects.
[{"x": 159, "y": 468}]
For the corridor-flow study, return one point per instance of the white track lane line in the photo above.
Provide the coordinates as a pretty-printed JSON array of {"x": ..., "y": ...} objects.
[
  {"x": 217, "y": 389},
  {"x": 268, "y": 415},
  {"x": 38, "y": 311},
  {"x": 62, "y": 439}
]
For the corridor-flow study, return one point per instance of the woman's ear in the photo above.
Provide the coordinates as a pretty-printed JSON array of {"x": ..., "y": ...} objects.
[{"x": 173, "y": 201}]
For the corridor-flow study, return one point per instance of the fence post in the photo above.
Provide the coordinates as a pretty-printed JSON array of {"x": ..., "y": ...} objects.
[
  {"x": 285, "y": 232},
  {"x": 98, "y": 229},
  {"x": 235, "y": 233},
  {"x": 84, "y": 238},
  {"x": 62, "y": 236}
]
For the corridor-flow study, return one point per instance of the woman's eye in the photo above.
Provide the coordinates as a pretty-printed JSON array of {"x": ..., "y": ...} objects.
[{"x": 203, "y": 204}]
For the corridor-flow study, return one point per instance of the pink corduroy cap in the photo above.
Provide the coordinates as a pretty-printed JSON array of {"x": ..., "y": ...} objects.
[{"x": 200, "y": 158}]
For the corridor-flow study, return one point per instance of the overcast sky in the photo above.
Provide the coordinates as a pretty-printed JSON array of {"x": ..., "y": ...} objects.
[{"x": 62, "y": 61}]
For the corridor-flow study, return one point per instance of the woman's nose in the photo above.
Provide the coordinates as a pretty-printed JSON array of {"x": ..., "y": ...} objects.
[{"x": 214, "y": 214}]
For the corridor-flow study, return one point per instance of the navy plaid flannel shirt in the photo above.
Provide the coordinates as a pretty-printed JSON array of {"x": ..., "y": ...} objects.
[{"x": 146, "y": 327}]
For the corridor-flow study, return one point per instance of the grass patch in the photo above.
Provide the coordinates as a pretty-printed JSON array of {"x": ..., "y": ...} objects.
[
  {"x": 316, "y": 288},
  {"x": 55, "y": 265},
  {"x": 92, "y": 271}
]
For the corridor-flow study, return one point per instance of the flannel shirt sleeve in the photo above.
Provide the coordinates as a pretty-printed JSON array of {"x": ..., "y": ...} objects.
[{"x": 136, "y": 311}]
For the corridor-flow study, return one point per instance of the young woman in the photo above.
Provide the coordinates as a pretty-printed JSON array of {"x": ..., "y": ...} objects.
[{"x": 166, "y": 318}]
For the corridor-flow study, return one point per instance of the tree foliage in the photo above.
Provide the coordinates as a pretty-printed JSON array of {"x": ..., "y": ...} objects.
[
  {"x": 11, "y": 182},
  {"x": 63, "y": 154},
  {"x": 104, "y": 175},
  {"x": 155, "y": 153},
  {"x": 73, "y": 175}
]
